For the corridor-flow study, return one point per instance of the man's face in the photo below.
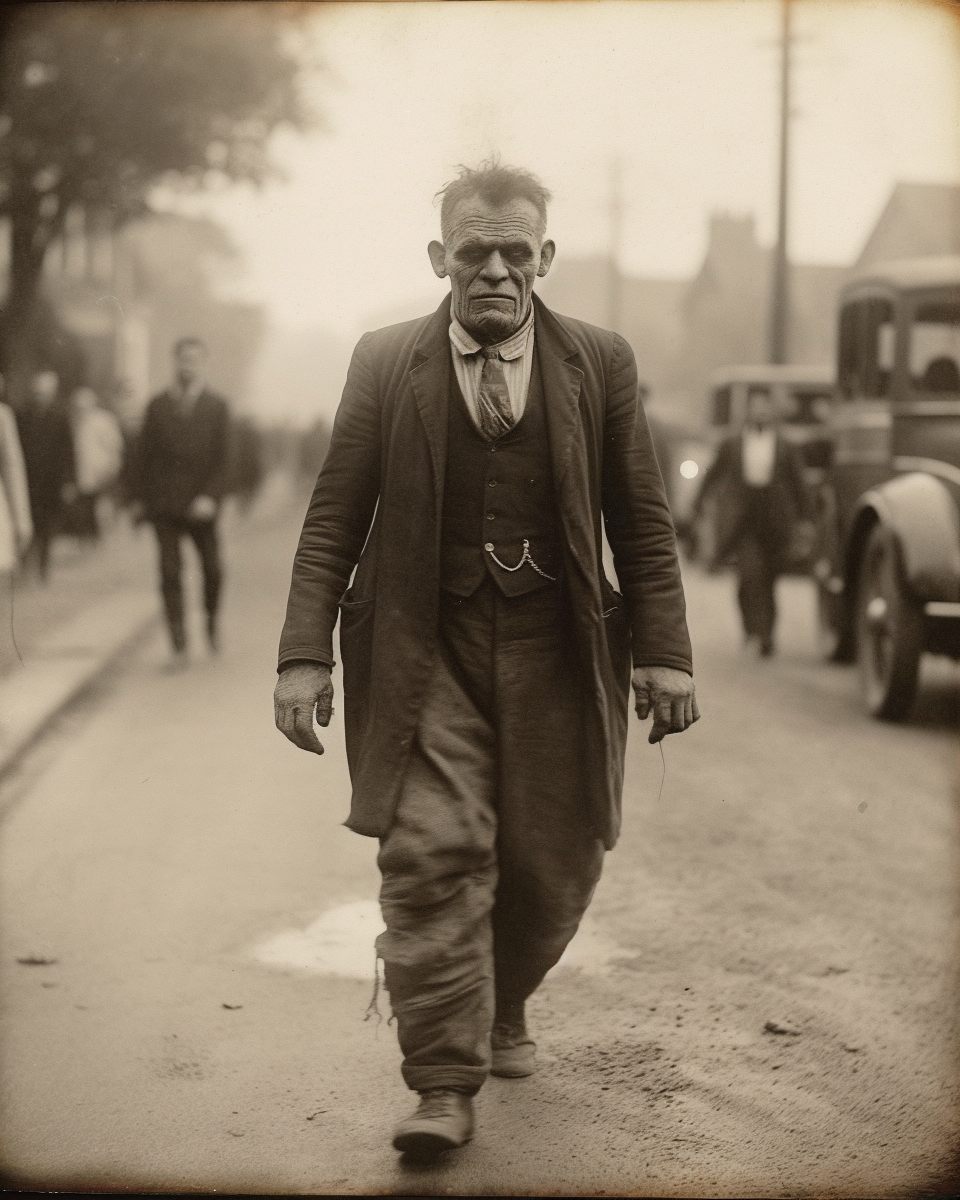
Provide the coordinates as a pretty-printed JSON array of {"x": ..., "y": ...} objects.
[
  {"x": 492, "y": 255},
  {"x": 188, "y": 364}
]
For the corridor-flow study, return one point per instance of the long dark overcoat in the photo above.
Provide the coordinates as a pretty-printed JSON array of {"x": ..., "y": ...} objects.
[{"x": 378, "y": 502}]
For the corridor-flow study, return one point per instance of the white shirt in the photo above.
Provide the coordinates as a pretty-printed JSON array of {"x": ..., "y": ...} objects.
[
  {"x": 517, "y": 355},
  {"x": 759, "y": 449}
]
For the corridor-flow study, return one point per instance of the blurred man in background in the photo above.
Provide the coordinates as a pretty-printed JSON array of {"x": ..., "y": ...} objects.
[
  {"x": 47, "y": 443},
  {"x": 181, "y": 473},
  {"x": 763, "y": 509}
]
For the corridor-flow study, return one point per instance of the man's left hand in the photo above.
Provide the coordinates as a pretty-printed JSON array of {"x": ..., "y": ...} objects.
[
  {"x": 668, "y": 694},
  {"x": 202, "y": 508}
]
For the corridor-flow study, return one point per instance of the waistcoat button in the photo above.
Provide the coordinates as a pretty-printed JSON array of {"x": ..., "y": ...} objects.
[{"x": 488, "y": 545}]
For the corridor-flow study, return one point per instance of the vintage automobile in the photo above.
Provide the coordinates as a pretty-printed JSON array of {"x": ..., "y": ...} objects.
[
  {"x": 804, "y": 397},
  {"x": 888, "y": 560}
]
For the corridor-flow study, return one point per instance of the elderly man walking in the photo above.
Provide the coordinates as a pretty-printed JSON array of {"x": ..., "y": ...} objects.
[{"x": 476, "y": 455}]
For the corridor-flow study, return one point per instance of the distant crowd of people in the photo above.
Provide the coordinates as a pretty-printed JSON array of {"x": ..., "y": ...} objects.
[
  {"x": 66, "y": 463},
  {"x": 58, "y": 458}
]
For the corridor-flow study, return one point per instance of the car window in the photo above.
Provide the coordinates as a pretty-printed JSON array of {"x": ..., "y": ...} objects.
[
  {"x": 866, "y": 349},
  {"x": 935, "y": 347},
  {"x": 809, "y": 406}
]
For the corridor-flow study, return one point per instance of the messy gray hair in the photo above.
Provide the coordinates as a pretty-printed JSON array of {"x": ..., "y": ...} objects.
[{"x": 496, "y": 184}]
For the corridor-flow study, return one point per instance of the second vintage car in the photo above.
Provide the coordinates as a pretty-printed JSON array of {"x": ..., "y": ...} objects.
[{"x": 888, "y": 563}]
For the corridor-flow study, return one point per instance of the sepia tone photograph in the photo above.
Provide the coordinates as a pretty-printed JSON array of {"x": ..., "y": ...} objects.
[{"x": 480, "y": 597}]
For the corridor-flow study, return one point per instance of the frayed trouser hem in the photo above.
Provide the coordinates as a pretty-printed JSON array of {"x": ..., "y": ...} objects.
[{"x": 468, "y": 1080}]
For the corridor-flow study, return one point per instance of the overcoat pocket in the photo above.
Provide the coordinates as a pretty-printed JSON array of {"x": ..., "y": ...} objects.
[
  {"x": 356, "y": 653},
  {"x": 356, "y": 645}
]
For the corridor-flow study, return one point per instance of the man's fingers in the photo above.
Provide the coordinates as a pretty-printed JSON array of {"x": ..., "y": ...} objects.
[
  {"x": 696, "y": 708},
  {"x": 296, "y": 724},
  {"x": 325, "y": 706},
  {"x": 306, "y": 738},
  {"x": 662, "y": 720},
  {"x": 678, "y": 715},
  {"x": 283, "y": 716},
  {"x": 643, "y": 705}
]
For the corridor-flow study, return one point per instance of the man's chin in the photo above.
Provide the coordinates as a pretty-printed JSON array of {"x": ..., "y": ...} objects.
[{"x": 492, "y": 325}]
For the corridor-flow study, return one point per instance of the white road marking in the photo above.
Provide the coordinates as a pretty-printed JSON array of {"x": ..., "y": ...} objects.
[{"x": 340, "y": 942}]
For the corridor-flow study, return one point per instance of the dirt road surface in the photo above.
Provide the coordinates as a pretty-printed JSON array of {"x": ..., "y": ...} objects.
[{"x": 761, "y": 1002}]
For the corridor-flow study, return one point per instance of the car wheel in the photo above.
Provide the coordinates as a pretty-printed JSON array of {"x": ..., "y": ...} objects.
[{"x": 889, "y": 627}]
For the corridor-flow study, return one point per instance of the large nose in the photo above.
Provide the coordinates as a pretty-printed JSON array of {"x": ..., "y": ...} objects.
[{"x": 495, "y": 269}]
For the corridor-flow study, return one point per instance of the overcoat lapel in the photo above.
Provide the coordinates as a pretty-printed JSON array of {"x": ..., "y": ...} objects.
[
  {"x": 562, "y": 382},
  {"x": 561, "y": 387},
  {"x": 430, "y": 381}
]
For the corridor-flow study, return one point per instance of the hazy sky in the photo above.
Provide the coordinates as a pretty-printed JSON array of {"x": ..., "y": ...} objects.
[{"x": 684, "y": 91}]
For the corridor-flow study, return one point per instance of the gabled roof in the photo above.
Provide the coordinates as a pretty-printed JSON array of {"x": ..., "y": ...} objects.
[{"x": 918, "y": 219}]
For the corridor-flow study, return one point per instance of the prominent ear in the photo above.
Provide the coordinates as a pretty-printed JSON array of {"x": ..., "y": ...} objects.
[
  {"x": 547, "y": 251},
  {"x": 438, "y": 259}
]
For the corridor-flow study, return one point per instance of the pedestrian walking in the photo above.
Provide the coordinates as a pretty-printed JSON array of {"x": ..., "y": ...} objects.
[
  {"x": 98, "y": 449},
  {"x": 763, "y": 512},
  {"x": 47, "y": 444},
  {"x": 16, "y": 524},
  {"x": 475, "y": 457},
  {"x": 181, "y": 473}
]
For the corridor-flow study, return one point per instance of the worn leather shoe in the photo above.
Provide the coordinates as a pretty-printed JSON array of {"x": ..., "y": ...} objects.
[
  {"x": 512, "y": 1050},
  {"x": 443, "y": 1121}
]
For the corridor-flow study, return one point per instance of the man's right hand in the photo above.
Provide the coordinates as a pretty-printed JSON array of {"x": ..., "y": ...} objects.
[{"x": 302, "y": 689}]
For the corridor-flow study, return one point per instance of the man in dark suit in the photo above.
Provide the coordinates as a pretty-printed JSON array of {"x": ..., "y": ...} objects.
[
  {"x": 47, "y": 442},
  {"x": 476, "y": 455},
  {"x": 763, "y": 506},
  {"x": 181, "y": 472}
]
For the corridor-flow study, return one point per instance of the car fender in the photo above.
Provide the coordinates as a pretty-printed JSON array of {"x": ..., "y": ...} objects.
[{"x": 922, "y": 514}]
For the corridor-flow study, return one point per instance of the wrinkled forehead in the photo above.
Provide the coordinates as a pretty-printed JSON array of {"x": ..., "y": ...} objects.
[{"x": 474, "y": 219}]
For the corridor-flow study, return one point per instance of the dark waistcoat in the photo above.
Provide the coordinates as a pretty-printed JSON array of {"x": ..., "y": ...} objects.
[{"x": 497, "y": 495}]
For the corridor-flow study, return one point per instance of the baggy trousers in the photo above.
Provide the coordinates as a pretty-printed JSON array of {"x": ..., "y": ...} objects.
[
  {"x": 490, "y": 862},
  {"x": 170, "y": 531}
]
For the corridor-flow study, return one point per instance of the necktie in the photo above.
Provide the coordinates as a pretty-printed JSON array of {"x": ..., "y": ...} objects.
[{"x": 493, "y": 399}]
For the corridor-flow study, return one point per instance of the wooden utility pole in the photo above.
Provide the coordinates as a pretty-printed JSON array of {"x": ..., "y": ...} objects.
[
  {"x": 614, "y": 289},
  {"x": 780, "y": 282}
]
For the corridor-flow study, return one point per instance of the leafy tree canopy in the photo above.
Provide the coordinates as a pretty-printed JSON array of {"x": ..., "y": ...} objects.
[{"x": 99, "y": 102}]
